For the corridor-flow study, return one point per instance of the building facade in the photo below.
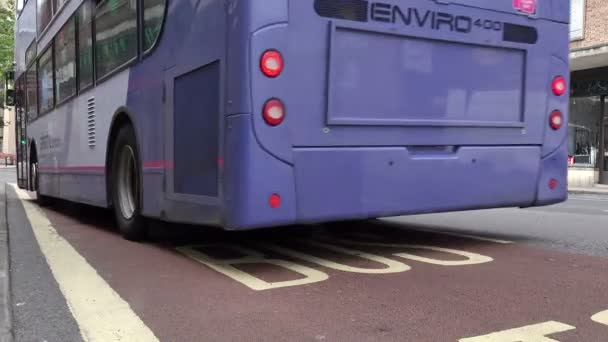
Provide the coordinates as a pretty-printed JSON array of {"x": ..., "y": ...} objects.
[{"x": 588, "y": 121}]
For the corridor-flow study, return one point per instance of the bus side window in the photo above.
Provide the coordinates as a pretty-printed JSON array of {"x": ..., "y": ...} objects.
[
  {"x": 65, "y": 61},
  {"x": 46, "y": 92},
  {"x": 115, "y": 35},
  {"x": 30, "y": 53},
  {"x": 154, "y": 13},
  {"x": 31, "y": 92},
  {"x": 85, "y": 45},
  {"x": 45, "y": 13}
]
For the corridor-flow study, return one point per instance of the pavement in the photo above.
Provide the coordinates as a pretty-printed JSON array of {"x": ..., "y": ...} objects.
[
  {"x": 6, "y": 174},
  {"x": 592, "y": 190},
  {"x": 5, "y": 305},
  {"x": 535, "y": 274}
]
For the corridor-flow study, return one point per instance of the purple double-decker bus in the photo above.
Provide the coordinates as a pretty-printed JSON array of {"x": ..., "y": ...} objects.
[{"x": 256, "y": 113}]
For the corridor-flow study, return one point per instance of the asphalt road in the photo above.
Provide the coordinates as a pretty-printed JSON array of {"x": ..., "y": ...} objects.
[
  {"x": 578, "y": 226},
  {"x": 496, "y": 275}
]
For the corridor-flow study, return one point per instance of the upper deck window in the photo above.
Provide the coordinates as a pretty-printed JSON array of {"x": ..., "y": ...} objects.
[
  {"x": 31, "y": 92},
  {"x": 46, "y": 94},
  {"x": 46, "y": 10},
  {"x": 57, "y": 4},
  {"x": 30, "y": 53},
  {"x": 45, "y": 13},
  {"x": 115, "y": 34},
  {"x": 85, "y": 45},
  {"x": 154, "y": 13},
  {"x": 65, "y": 61}
]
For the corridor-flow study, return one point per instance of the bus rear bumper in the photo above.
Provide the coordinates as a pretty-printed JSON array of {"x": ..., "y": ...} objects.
[
  {"x": 340, "y": 183},
  {"x": 350, "y": 183}
]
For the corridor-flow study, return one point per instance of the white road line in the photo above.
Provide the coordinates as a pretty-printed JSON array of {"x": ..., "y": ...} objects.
[
  {"x": 443, "y": 232},
  {"x": 101, "y": 314},
  {"x": 593, "y": 199},
  {"x": 466, "y": 236},
  {"x": 475, "y": 237}
]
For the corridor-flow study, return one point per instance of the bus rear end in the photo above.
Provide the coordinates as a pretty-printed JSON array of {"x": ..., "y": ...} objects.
[{"x": 364, "y": 109}]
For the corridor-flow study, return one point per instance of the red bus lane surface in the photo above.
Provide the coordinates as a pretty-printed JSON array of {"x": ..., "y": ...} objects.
[{"x": 349, "y": 282}]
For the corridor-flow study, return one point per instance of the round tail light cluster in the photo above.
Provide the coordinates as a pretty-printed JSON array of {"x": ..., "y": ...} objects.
[
  {"x": 556, "y": 120},
  {"x": 274, "y": 112},
  {"x": 271, "y": 63},
  {"x": 559, "y": 86}
]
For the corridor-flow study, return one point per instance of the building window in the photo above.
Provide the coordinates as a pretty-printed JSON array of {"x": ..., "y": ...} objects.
[
  {"x": 154, "y": 12},
  {"x": 577, "y": 19},
  {"x": 584, "y": 130},
  {"x": 45, "y": 13},
  {"x": 85, "y": 46},
  {"x": 65, "y": 61},
  {"x": 115, "y": 35},
  {"x": 46, "y": 95},
  {"x": 31, "y": 93}
]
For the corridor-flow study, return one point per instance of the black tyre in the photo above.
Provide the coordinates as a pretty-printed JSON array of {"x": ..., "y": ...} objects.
[
  {"x": 42, "y": 200},
  {"x": 125, "y": 186}
]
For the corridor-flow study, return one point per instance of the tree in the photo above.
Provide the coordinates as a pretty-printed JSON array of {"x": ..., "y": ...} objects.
[{"x": 7, "y": 39}]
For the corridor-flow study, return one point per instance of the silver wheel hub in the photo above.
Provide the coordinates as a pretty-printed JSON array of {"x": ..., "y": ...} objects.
[{"x": 127, "y": 182}]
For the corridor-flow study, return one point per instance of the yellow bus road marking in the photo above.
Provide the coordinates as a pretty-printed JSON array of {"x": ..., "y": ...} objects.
[
  {"x": 601, "y": 317},
  {"x": 392, "y": 266},
  {"x": 471, "y": 258},
  {"x": 101, "y": 314},
  {"x": 535, "y": 332},
  {"x": 226, "y": 267},
  {"x": 530, "y": 333}
]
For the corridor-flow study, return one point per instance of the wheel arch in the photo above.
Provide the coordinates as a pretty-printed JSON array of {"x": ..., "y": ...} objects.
[
  {"x": 32, "y": 158},
  {"x": 33, "y": 151},
  {"x": 122, "y": 117}
]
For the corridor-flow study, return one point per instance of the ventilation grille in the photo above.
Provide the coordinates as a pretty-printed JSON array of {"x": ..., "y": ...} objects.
[{"x": 91, "y": 122}]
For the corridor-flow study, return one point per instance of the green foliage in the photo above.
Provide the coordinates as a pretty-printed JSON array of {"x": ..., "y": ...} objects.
[
  {"x": 7, "y": 37},
  {"x": 7, "y": 40}
]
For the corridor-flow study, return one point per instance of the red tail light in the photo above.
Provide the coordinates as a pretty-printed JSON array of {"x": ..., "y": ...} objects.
[
  {"x": 552, "y": 183},
  {"x": 271, "y": 63},
  {"x": 556, "y": 120},
  {"x": 559, "y": 86},
  {"x": 274, "y": 112},
  {"x": 274, "y": 201}
]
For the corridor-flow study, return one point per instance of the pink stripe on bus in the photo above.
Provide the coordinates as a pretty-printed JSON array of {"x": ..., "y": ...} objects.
[
  {"x": 151, "y": 164},
  {"x": 158, "y": 164},
  {"x": 72, "y": 168}
]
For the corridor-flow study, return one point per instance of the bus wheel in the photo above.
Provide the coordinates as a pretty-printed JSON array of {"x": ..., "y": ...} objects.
[
  {"x": 125, "y": 186},
  {"x": 42, "y": 200}
]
